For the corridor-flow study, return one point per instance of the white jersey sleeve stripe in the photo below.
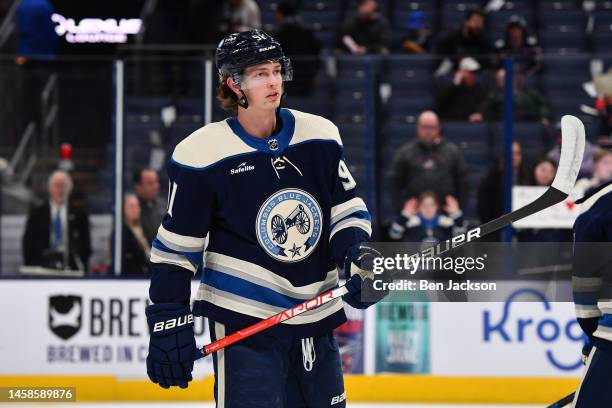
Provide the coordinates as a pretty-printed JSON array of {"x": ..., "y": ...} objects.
[
  {"x": 340, "y": 211},
  {"x": 352, "y": 222},
  {"x": 187, "y": 243},
  {"x": 159, "y": 256}
]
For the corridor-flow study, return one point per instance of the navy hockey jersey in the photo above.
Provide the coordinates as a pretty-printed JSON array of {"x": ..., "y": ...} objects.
[
  {"x": 280, "y": 212},
  {"x": 592, "y": 272}
]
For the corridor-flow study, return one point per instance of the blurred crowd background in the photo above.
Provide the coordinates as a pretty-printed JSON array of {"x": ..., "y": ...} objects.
[{"x": 420, "y": 91}]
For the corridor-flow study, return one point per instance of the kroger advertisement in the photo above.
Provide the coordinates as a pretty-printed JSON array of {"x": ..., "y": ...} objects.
[
  {"x": 98, "y": 327},
  {"x": 530, "y": 338}
]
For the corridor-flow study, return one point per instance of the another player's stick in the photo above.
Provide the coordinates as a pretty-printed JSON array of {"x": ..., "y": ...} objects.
[
  {"x": 563, "y": 401},
  {"x": 572, "y": 150}
]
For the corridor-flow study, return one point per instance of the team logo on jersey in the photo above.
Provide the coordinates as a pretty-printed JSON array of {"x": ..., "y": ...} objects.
[
  {"x": 289, "y": 225},
  {"x": 273, "y": 144}
]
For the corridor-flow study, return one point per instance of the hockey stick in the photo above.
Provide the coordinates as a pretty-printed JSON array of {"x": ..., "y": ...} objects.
[
  {"x": 572, "y": 150},
  {"x": 563, "y": 401}
]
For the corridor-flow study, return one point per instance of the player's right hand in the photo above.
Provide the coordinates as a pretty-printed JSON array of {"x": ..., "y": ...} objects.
[{"x": 172, "y": 348}]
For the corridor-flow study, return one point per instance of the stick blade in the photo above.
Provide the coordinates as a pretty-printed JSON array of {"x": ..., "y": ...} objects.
[{"x": 572, "y": 151}]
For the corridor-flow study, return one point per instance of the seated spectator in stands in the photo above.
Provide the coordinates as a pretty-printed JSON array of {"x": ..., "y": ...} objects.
[
  {"x": 422, "y": 221},
  {"x": 136, "y": 248},
  {"x": 152, "y": 207},
  {"x": 491, "y": 189},
  {"x": 602, "y": 172},
  {"x": 528, "y": 105},
  {"x": 367, "y": 32},
  {"x": 418, "y": 38},
  {"x": 428, "y": 163},
  {"x": 522, "y": 47},
  {"x": 469, "y": 40},
  {"x": 241, "y": 15},
  {"x": 543, "y": 175},
  {"x": 301, "y": 45},
  {"x": 57, "y": 233},
  {"x": 461, "y": 100}
]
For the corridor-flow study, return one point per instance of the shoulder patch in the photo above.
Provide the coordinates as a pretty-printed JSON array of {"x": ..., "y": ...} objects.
[
  {"x": 209, "y": 145},
  {"x": 313, "y": 127}
]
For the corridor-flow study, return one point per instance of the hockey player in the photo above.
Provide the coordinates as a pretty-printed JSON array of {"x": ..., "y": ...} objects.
[
  {"x": 592, "y": 282},
  {"x": 271, "y": 188}
]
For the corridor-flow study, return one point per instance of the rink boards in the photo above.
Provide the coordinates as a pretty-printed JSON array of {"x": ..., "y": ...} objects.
[{"x": 92, "y": 334}]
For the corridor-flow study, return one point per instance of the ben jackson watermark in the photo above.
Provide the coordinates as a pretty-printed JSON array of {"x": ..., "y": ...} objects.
[
  {"x": 414, "y": 263},
  {"x": 480, "y": 271}
]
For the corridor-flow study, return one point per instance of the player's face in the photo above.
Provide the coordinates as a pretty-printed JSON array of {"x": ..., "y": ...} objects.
[{"x": 263, "y": 85}]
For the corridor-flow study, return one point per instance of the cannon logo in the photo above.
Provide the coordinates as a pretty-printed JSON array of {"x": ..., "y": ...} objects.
[
  {"x": 65, "y": 315},
  {"x": 540, "y": 326},
  {"x": 289, "y": 225}
]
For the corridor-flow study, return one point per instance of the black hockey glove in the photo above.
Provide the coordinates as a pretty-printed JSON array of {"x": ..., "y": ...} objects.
[
  {"x": 358, "y": 269},
  {"x": 172, "y": 348}
]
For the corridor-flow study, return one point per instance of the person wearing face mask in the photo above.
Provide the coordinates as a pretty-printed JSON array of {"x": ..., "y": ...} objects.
[
  {"x": 428, "y": 163},
  {"x": 468, "y": 40}
]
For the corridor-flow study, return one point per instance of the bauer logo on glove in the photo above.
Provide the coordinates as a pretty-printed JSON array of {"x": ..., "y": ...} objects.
[{"x": 172, "y": 323}]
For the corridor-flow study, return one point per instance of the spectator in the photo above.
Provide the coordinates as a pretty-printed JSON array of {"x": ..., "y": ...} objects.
[
  {"x": 241, "y": 15},
  {"x": 367, "y": 32},
  {"x": 462, "y": 99},
  {"x": 522, "y": 47},
  {"x": 491, "y": 189},
  {"x": 528, "y": 105},
  {"x": 602, "y": 172},
  {"x": 421, "y": 220},
  {"x": 136, "y": 248},
  {"x": 586, "y": 168},
  {"x": 301, "y": 45},
  {"x": 152, "y": 207},
  {"x": 603, "y": 85},
  {"x": 469, "y": 40},
  {"x": 36, "y": 35},
  {"x": 543, "y": 175},
  {"x": 544, "y": 172},
  {"x": 428, "y": 163},
  {"x": 57, "y": 233},
  {"x": 418, "y": 38}
]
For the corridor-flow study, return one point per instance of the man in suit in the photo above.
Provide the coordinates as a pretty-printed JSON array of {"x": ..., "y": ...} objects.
[
  {"x": 152, "y": 207},
  {"x": 57, "y": 233}
]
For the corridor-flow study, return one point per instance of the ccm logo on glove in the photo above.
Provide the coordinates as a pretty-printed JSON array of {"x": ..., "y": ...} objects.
[{"x": 172, "y": 323}]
